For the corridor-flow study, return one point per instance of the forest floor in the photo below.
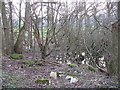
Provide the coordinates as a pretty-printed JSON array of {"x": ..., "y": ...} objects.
[{"x": 16, "y": 74}]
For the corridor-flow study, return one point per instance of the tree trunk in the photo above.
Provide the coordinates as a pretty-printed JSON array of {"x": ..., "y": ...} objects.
[
  {"x": 113, "y": 65},
  {"x": 43, "y": 52},
  {"x": 11, "y": 28},
  {"x": 6, "y": 30},
  {"x": 28, "y": 23},
  {"x": 0, "y": 34},
  {"x": 20, "y": 15},
  {"x": 18, "y": 45},
  {"x": 119, "y": 43}
]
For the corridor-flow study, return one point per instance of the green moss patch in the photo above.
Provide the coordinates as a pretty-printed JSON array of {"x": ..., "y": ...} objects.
[
  {"x": 16, "y": 56},
  {"x": 42, "y": 81},
  {"x": 72, "y": 65},
  {"x": 28, "y": 62}
]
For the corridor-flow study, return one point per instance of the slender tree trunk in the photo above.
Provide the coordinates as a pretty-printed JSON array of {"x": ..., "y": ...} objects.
[
  {"x": 0, "y": 34},
  {"x": 42, "y": 23},
  {"x": 28, "y": 23},
  {"x": 20, "y": 15},
  {"x": 0, "y": 48},
  {"x": 119, "y": 43},
  {"x": 53, "y": 24},
  {"x": 11, "y": 28},
  {"x": 31, "y": 41},
  {"x": 43, "y": 50}
]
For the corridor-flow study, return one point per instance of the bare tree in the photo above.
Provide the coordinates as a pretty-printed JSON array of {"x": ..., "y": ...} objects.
[{"x": 44, "y": 41}]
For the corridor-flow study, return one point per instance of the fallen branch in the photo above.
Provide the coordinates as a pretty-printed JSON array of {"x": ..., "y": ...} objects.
[
  {"x": 102, "y": 70},
  {"x": 98, "y": 68}
]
